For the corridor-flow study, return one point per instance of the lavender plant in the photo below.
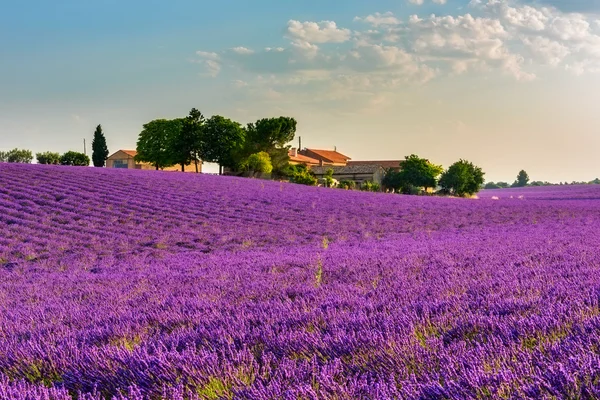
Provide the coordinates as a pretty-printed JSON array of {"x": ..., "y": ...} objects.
[{"x": 119, "y": 284}]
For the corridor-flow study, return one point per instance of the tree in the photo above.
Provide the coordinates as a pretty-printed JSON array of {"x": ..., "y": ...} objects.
[
  {"x": 99, "y": 148},
  {"x": 17, "y": 156},
  {"x": 260, "y": 163},
  {"x": 503, "y": 185},
  {"x": 462, "y": 178},
  {"x": 186, "y": 143},
  {"x": 75, "y": 158},
  {"x": 48, "y": 157},
  {"x": 415, "y": 173},
  {"x": 522, "y": 179},
  {"x": 491, "y": 185},
  {"x": 271, "y": 135},
  {"x": 154, "y": 144},
  {"x": 222, "y": 141},
  {"x": 595, "y": 182}
]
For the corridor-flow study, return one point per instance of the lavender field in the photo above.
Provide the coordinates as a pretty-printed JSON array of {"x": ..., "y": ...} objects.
[{"x": 141, "y": 284}]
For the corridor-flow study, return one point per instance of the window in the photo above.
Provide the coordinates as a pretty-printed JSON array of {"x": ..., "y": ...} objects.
[{"x": 120, "y": 164}]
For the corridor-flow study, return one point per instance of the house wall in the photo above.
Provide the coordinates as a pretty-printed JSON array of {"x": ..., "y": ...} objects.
[{"x": 359, "y": 178}]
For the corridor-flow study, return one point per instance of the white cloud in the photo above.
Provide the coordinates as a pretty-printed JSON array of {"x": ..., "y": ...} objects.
[
  {"x": 417, "y": 2},
  {"x": 242, "y": 50},
  {"x": 317, "y": 32},
  {"x": 379, "y": 19}
]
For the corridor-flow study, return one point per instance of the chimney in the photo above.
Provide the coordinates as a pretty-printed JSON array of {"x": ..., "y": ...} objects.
[
  {"x": 294, "y": 152},
  {"x": 300, "y": 143},
  {"x": 320, "y": 163},
  {"x": 334, "y": 148}
]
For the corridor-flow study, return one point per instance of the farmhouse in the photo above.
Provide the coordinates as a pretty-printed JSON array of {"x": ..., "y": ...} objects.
[
  {"x": 393, "y": 165},
  {"x": 126, "y": 159},
  {"x": 357, "y": 173}
]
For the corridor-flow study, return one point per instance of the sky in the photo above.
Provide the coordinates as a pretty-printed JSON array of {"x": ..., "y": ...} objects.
[{"x": 508, "y": 85}]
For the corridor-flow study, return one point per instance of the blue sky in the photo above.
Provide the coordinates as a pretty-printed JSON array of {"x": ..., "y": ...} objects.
[{"x": 506, "y": 84}]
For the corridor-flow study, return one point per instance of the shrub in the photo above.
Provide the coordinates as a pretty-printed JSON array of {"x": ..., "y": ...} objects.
[
  {"x": 260, "y": 163},
  {"x": 300, "y": 174},
  {"x": 348, "y": 185},
  {"x": 370, "y": 186}
]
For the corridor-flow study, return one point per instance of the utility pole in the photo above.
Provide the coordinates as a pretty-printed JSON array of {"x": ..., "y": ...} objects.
[{"x": 84, "y": 148}]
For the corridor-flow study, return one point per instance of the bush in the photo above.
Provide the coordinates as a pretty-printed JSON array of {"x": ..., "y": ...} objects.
[
  {"x": 48, "y": 157},
  {"x": 348, "y": 185},
  {"x": 74, "y": 158},
  {"x": 369, "y": 186},
  {"x": 300, "y": 174},
  {"x": 462, "y": 179},
  {"x": 259, "y": 163}
]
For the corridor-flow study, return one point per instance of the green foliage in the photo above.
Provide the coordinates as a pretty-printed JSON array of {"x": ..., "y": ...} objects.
[
  {"x": 329, "y": 178},
  {"x": 17, "y": 156},
  {"x": 595, "y": 182},
  {"x": 271, "y": 135},
  {"x": 154, "y": 143},
  {"x": 369, "y": 186},
  {"x": 522, "y": 179},
  {"x": 348, "y": 185},
  {"x": 75, "y": 158},
  {"x": 300, "y": 174},
  {"x": 415, "y": 173},
  {"x": 462, "y": 179},
  {"x": 491, "y": 185},
  {"x": 503, "y": 185},
  {"x": 259, "y": 163},
  {"x": 186, "y": 143},
  {"x": 48, "y": 157},
  {"x": 99, "y": 148},
  {"x": 222, "y": 141}
]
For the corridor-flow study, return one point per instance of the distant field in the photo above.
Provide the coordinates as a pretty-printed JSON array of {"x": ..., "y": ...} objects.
[{"x": 144, "y": 284}]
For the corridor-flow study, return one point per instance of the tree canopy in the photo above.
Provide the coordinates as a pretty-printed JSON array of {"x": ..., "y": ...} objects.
[
  {"x": 522, "y": 179},
  {"x": 415, "y": 173},
  {"x": 75, "y": 158},
  {"x": 222, "y": 141},
  {"x": 99, "y": 148},
  {"x": 17, "y": 156},
  {"x": 186, "y": 142},
  {"x": 48, "y": 157},
  {"x": 462, "y": 179},
  {"x": 260, "y": 163},
  {"x": 271, "y": 135},
  {"x": 154, "y": 143}
]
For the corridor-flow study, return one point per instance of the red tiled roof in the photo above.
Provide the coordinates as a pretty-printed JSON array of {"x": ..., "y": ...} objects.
[
  {"x": 382, "y": 163},
  {"x": 331, "y": 155},
  {"x": 299, "y": 158}
]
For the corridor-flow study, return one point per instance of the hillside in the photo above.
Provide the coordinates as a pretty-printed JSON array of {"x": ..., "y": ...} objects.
[{"x": 146, "y": 284}]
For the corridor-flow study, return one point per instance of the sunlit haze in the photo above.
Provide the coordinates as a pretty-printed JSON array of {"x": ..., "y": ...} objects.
[{"x": 508, "y": 85}]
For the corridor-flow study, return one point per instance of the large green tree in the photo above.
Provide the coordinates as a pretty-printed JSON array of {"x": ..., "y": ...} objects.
[
  {"x": 271, "y": 135},
  {"x": 99, "y": 148},
  {"x": 222, "y": 142},
  {"x": 415, "y": 173},
  {"x": 186, "y": 143},
  {"x": 259, "y": 163},
  {"x": 155, "y": 141},
  {"x": 462, "y": 179}
]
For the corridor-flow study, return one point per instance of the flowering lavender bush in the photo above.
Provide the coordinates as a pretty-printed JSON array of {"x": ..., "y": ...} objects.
[{"x": 143, "y": 284}]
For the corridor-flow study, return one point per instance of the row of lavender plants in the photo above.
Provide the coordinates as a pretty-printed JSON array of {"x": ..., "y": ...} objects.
[{"x": 143, "y": 284}]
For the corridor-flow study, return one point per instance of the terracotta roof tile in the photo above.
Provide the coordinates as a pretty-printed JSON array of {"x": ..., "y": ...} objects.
[
  {"x": 331, "y": 155},
  {"x": 131, "y": 153}
]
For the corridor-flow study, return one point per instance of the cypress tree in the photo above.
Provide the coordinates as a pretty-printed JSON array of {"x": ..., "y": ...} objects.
[{"x": 99, "y": 148}]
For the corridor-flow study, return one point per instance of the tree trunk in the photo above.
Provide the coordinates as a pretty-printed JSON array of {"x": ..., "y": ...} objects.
[
  {"x": 157, "y": 167},
  {"x": 182, "y": 167},
  {"x": 220, "y": 169},
  {"x": 196, "y": 163}
]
